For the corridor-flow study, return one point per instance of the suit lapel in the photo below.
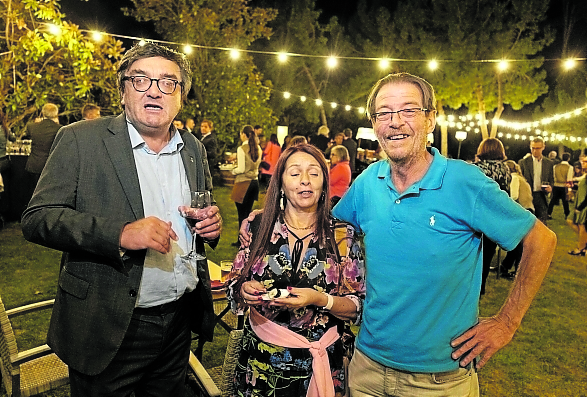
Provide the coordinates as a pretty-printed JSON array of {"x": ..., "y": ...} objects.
[
  {"x": 192, "y": 164},
  {"x": 120, "y": 151}
]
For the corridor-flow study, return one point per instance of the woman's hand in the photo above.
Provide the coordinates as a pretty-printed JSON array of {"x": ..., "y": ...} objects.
[
  {"x": 251, "y": 292},
  {"x": 301, "y": 297}
]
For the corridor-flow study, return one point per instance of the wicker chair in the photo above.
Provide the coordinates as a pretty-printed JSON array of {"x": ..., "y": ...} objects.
[
  {"x": 32, "y": 371},
  {"x": 217, "y": 381}
]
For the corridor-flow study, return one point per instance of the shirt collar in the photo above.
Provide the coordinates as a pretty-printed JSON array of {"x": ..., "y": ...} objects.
[
  {"x": 431, "y": 180},
  {"x": 136, "y": 140}
]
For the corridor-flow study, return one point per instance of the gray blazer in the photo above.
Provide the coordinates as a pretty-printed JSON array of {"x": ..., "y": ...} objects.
[
  {"x": 527, "y": 167},
  {"x": 87, "y": 192}
]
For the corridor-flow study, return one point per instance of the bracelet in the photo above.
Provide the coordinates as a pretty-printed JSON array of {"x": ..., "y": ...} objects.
[{"x": 329, "y": 303}]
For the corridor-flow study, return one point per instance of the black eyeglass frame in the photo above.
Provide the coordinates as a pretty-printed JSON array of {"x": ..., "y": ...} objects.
[{"x": 132, "y": 80}]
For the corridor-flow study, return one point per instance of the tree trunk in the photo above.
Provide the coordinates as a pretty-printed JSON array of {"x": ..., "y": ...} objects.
[
  {"x": 443, "y": 131},
  {"x": 482, "y": 119},
  {"x": 316, "y": 93},
  {"x": 499, "y": 109}
]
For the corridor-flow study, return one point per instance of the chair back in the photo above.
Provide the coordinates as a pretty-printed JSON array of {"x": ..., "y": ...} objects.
[
  {"x": 8, "y": 348},
  {"x": 233, "y": 350}
]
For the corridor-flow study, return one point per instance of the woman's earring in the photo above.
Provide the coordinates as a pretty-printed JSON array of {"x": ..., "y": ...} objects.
[{"x": 282, "y": 201}]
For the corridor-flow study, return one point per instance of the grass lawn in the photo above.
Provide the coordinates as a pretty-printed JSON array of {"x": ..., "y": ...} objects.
[{"x": 548, "y": 356}]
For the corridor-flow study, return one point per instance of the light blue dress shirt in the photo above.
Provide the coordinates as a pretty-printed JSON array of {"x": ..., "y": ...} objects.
[{"x": 164, "y": 187}]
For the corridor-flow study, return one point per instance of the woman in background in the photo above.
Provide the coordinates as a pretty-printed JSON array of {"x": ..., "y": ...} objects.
[
  {"x": 246, "y": 185},
  {"x": 270, "y": 156},
  {"x": 340, "y": 173},
  {"x": 491, "y": 155},
  {"x": 521, "y": 193},
  {"x": 577, "y": 218}
]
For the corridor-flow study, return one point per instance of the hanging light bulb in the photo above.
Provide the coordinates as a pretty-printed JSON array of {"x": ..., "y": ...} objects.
[
  {"x": 97, "y": 36},
  {"x": 331, "y": 62},
  {"x": 286, "y": 95},
  {"x": 433, "y": 64},
  {"x": 282, "y": 57},
  {"x": 384, "y": 64},
  {"x": 235, "y": 54},
  {"x": 187, "y": 49}
]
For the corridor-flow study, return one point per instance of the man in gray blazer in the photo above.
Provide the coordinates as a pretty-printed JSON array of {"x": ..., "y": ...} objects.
[
  {"x": 109, "y": 198},
  {"x": 538, "y": 171}
]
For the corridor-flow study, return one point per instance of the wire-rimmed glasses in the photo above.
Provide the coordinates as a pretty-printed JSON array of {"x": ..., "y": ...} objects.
[
  {"x": 404, "y": 114},
  {"x": 143, "y": 83}
]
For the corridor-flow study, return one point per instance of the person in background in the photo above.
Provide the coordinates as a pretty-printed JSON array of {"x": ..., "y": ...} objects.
[
  {"x": 338, "y": 140},
  {"x": 521, "y": 193},
  {"x": 340, "y": 173},
  {"x": 90, "y": 111},
  {"x": 563, "y": 179},
  {"x": 538, "y": 171},
  {"x": 246, "y": 184},
  {"x": 578, "y": 218},
  {"x": 111, "y": 197},
  {"x": 286, "y": 141},
  {"x": 351, "y": 146},
  {"x": 190, "y": 125},
  {"x": 553, "y": 156},
  {"x": 258, "y": 130},
  {"x": 271, "y": 154},
  {"x": 491, "y": 157},
  {"x": 210, "y": 143},
  {"x": 577, "y": 176},
  {"x": 178, "y": 124},
  {"x": 321, "y": 139},
  {"x": 5, "y": 136},
  {"x": 297, "y": 140},
  {"x": 42, "y": 135},
  {"x": 295, "y": 345}
]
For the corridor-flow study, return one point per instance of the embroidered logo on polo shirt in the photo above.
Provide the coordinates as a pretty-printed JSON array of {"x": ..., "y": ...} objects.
[{"x": 432, "y": 220}]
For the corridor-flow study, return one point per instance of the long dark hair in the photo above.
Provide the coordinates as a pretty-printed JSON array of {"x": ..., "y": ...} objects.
[
  {"x": 272, "y": 209},
  {"x": 252, "y": 139},
  {"x": 274, "y": 139}
]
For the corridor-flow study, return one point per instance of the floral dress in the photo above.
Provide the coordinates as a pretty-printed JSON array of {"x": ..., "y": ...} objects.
[{"x": 265, "y": 369}]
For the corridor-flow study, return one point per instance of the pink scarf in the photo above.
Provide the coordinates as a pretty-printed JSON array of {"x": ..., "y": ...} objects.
[{"x": 321, "y": 384}]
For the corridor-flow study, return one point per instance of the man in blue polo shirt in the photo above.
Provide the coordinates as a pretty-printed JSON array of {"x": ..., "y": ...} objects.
[{"x": 423, "y": 216}]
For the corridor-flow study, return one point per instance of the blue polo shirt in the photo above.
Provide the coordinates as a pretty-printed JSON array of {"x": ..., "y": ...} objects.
[{"x": 424, "y": 259}]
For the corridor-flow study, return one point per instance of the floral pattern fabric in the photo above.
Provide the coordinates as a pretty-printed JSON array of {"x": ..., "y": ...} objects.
[
  {"x": 498, "y": 171},
  {"x": 266, "y": 369}
]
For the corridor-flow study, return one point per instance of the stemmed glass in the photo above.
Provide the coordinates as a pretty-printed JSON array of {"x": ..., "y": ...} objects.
[{"x": 200, "y": 201}]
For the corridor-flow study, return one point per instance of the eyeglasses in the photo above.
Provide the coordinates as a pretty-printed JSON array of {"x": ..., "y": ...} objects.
[
  {"x": 404, "y": 114},
  {"x": 143, "y": 83}
]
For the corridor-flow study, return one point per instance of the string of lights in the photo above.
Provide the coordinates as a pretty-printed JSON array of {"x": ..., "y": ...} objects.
[{"x": 522, "y": 131}]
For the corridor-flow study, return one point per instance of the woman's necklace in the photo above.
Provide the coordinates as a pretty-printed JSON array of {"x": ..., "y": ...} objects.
[{"x": 298, "y": 228}]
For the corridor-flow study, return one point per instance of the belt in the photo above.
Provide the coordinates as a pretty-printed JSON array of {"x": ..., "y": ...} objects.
[{"x": 166, "y": 308}]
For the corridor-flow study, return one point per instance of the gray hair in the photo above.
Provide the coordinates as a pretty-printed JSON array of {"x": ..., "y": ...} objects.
[
  {"x": 151, "y": 50},
  {"x": 50, "y": 111},
  {"x": 341, "y": 152},
  {"x": 428, "y": 96}
]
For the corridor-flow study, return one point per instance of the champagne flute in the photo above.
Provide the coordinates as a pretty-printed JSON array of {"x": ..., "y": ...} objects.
[{"x": 200, "y": 201}]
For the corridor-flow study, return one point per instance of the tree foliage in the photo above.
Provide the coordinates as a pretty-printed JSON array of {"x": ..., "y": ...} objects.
[
  {"x": 36, "y": 66},
  {"x": 299, "y": 29},
  {"x": 460, "y": 31},
  {"x": 230, "y": 93}
]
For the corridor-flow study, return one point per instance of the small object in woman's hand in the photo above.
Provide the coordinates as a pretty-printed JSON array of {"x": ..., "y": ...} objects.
[{"x": 275, "y": 293}]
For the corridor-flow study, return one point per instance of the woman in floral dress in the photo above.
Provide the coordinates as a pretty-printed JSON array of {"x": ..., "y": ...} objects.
[{"x": 302, "y": 275}]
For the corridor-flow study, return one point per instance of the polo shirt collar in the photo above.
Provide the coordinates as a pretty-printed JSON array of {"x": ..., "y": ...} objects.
[{"x": 431, "y": 180}]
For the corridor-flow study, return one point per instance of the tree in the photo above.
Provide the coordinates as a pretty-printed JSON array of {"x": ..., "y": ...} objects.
[
  {"x": 465, "y": 32},
  {"x": 298, "y": 30},
  {"x": 231, "y": 93},
  {"x": 64, "y": 67}
]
